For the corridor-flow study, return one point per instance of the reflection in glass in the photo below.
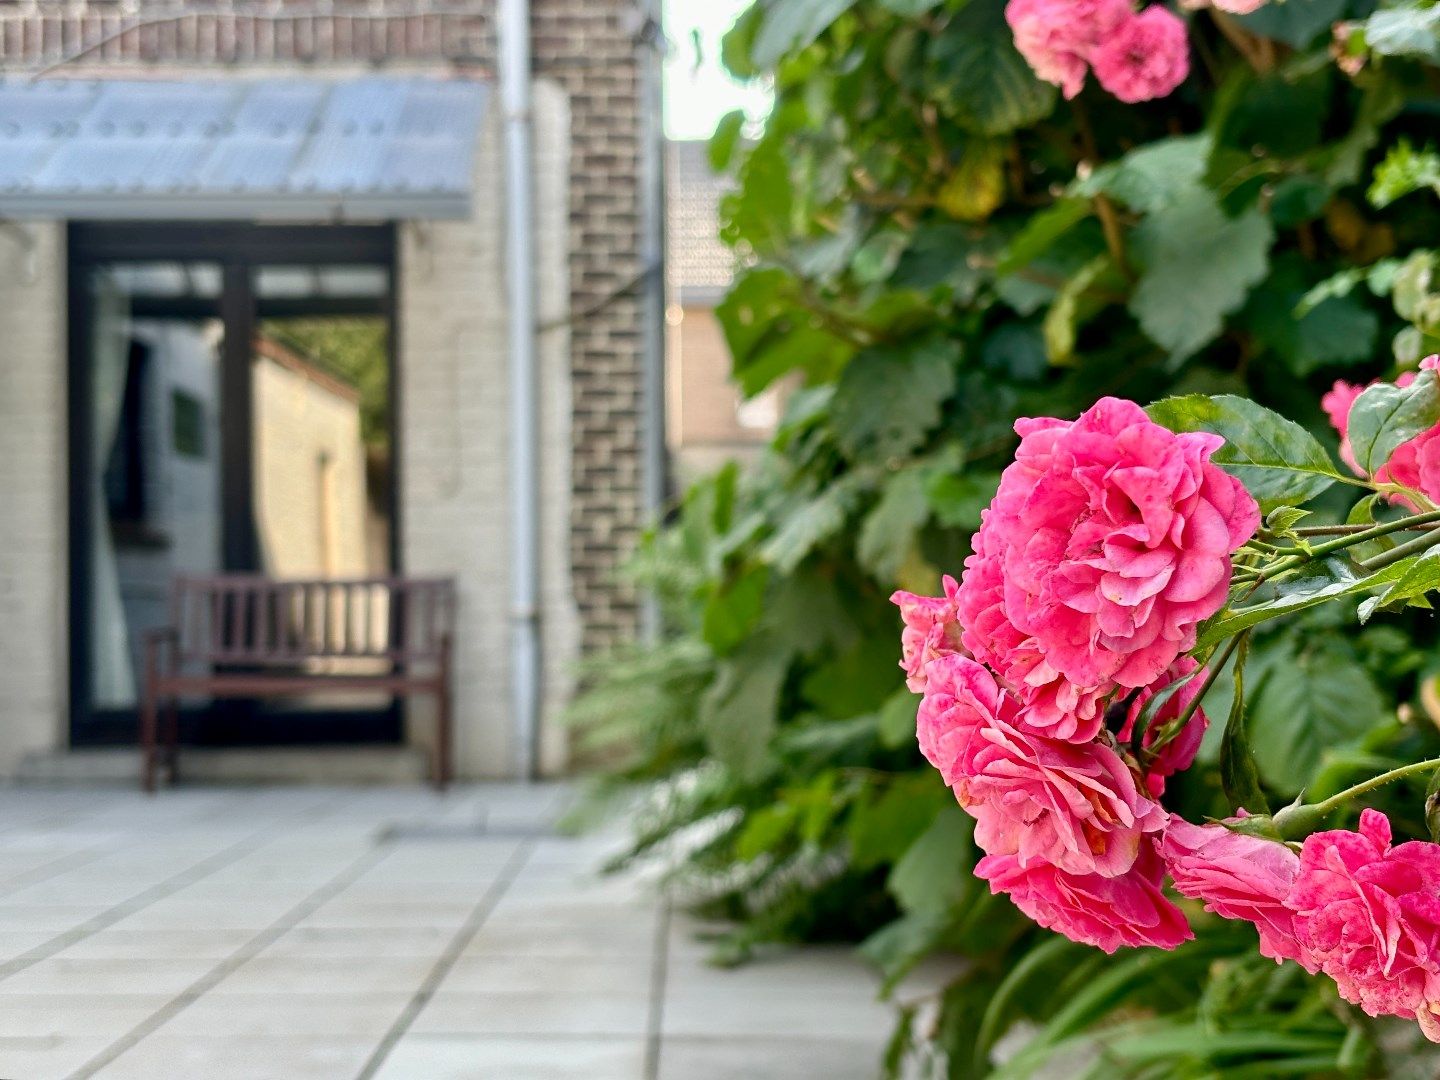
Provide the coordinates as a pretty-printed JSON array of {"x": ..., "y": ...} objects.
[{"x": 155, "y": 485}]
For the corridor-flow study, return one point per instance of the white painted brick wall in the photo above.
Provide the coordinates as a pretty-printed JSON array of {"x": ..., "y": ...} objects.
[
  {"x": 454, "y": 394},
  {"x": 33, "y": 574}
]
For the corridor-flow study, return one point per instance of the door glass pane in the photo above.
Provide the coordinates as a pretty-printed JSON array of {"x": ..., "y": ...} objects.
[
  {"x": 321, "y": 431},
  {"x": 154, "y": 347}
]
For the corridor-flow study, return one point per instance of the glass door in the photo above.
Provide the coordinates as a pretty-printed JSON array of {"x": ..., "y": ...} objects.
[{"x": 230, "y": 411}]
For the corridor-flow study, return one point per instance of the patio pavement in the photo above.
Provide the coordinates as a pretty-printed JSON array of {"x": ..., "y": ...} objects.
[{"x": 300, "y": 933}]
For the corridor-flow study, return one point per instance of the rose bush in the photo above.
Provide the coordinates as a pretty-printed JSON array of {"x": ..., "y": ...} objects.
[
  {"x": 934, "y": 240},
  {"x": 1108, "y": 542}
]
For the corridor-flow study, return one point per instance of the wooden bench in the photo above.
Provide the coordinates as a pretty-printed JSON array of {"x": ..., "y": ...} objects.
[{"x": 246, "y": 635}]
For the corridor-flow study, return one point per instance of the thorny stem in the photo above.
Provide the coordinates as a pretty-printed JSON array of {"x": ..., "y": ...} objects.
[
  {"x": 1402, "y": 551},
  {"x": 1294, "y": 557},
  {"x": 1337, "y": 800}
]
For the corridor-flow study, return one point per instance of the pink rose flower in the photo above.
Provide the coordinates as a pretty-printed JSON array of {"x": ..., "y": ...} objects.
[
  {"x": 961, "y": 697},
  {"x": 1145, "y": 57},
  {"x": 1233, "y": 7},
  {"x": 1055, "y": 706},
  {"x": 1108, "y": 541},
  {"x": 1075, "y": 807},
  {"x": 931, "y": 631},
  {"x": 1368, "y": 915},
  {"x": 1414, "y": 464},
  {"x": 1238, "y": 877},
  {"x": 1106, "y": 912},
  {"x": 1056, "y": 37},
  {"x": 1178, "y": 754}
]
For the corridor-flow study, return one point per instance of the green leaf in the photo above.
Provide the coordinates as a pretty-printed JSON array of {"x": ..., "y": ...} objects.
[
  {"x": 1421, "y": 576},
  {"x": 1403, "y": 171},
  {"x": 1278, "y": 461},
  {"x": 1410, "y": 29},
  {"x": 888, "y": 533},
  {"x": 1309, "y": 699},
  {"x": 733, "y": 609},
  {"x": 908, "y": 7},
  {"x": 808, "y": 524},
  {"x": 1385, "y": 416},
  {"x": 1296, "y": 22},
  {"x": 1041, "y": 231},
  {"x": 898, "y": 946},
  {"x": 1432, "y": 806},
  {"x": 881, "y": 828},
  {"x": 721, "y": 149},
  {"x": 988, "y": 87},
  {"x": 765, "y": 830},
  {"x": 1199, "y": 267},
  {"x": 738, "y": 712},
  {"x": 935, "y": 871},
  {"x": 888, "y": 400},
  {"x": 896, "y": 721},
  {"x": 1069, "y": 309},
  {"x": 1238, "y": 775},
  {"x": 958, "y": 498},
  {"x": 1314, "y": 583},
  {"x": 790, "y": 25},
  {"x": 1151, "y": 177}
]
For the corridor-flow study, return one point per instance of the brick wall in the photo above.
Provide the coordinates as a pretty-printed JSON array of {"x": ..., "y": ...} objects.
[{"x": 587, "y": 47}]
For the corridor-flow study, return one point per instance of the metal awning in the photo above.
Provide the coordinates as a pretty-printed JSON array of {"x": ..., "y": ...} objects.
[{"x": 288, "y": 149}]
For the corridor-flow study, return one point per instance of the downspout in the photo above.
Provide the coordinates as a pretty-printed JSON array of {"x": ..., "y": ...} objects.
[
  {"x": 654, "y": 470},
  {"x": 524, "y": 479}
]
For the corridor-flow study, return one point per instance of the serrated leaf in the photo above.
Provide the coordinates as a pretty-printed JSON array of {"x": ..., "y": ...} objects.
[
  {"x": 1238, "y": 775},
  {"x": 958, "y": 498},
  {"x": 812, "y": 522},
  {"x": 1296, "y": 23},
  {"x": 888, "y": 531},
  {"x": 1403, "y": 171},
  {"x": 982, "y": 81},
  {"x": 1420, "y": 577},
  {"x": 889, "y": 400},
  {"x": 1152, "y": 177},
  {"x": 1041, "y": 231},
  {"x": 1410, "y": 29},
  {"x": 1284, "y": 518},
  {"x": 1385, "y": 416},
  {"x": 1278, "y": 461},
  {"x": 738, "y": 712},
  {"x": 733, "y": 609},
  {"x": 935, "y": 871},
  {"x": 883, "y": 826},
  {"x": 1199, "y": 266},
  {"x": 1314, "y": 583},
  {"x": 1310, "y": 698},
  {"x": 790, "y": 25}
]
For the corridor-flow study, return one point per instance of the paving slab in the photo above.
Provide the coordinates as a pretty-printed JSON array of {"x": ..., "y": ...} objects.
[{"x": 379, "y": 934}]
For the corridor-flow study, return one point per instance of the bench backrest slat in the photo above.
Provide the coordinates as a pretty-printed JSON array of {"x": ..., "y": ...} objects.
[{"x": 251, "y": 619}]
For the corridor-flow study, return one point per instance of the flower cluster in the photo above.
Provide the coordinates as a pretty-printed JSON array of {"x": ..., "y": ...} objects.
[
  {"x": 1349, "y": 904},
  {"x": 1136, "y": 56},
  {"x": 1110, "y": 538},
  {"x": 1414, "y": 464}
]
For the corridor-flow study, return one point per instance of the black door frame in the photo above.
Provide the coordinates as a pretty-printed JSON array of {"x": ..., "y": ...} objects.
[{"x": 237, "y": 248}]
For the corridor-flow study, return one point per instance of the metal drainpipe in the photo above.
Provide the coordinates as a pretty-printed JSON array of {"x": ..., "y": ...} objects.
[
  {"x": 654, "y": 466},
  {"x": 514, "y": 63}
]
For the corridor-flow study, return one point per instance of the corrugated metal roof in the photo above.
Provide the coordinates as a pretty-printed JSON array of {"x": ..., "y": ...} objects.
[{"x": 285, "y": 148}]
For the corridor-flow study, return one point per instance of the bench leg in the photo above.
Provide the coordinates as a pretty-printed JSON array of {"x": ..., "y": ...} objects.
[
  {"x": 170, "y": 736},
  {"x": 148, "y": 749},
  {"x": 444, "y": 737}
]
